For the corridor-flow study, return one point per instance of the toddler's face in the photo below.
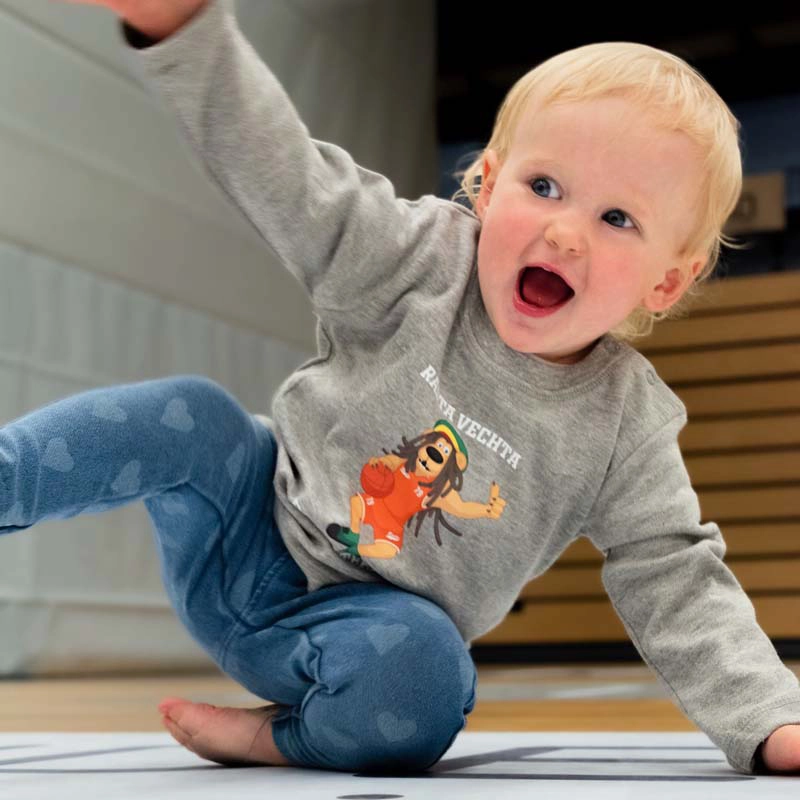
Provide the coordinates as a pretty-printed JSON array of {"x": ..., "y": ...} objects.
[{"x": 600, "y": 193}]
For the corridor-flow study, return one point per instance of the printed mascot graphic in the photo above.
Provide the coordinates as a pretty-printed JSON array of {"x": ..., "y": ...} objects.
[{"x": 421, "y": 477}]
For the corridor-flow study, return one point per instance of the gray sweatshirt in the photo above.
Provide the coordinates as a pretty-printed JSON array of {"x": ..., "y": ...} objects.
[{"x": 411, "y": 371}]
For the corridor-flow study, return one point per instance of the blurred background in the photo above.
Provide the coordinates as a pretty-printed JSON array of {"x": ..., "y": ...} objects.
[
  {"x": 121, "y": 261},
  {"x": 748, "y": 54}
]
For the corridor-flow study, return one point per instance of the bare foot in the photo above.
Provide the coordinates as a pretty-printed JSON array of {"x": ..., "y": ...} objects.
[{"x": 231, "y": 736}]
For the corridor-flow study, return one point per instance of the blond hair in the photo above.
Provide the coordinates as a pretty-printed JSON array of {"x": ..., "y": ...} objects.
[{"x": 679, "y": 98}]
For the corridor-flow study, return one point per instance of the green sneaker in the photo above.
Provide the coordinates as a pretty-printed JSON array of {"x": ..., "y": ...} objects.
[{"x": 344, "y": 536}]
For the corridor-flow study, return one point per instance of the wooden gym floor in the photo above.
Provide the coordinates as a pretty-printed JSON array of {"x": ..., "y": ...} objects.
[{"x": 510, "y": 698}]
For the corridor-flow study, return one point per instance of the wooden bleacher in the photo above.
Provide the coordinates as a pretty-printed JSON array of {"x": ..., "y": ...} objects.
[{"x": 735, "y": 363}]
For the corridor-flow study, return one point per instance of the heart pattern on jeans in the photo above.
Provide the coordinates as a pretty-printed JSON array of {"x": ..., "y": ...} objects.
[
  {"x": 176, "y": 416},
  {"x": 128, "y": 481},
  {"x": 386, "y": 637},
  {"x": 56, "y": 455},
  {"x": 235, "y": 461},
  {"x": 106, "y": 408},
  {"x": 393, "y": 729}
]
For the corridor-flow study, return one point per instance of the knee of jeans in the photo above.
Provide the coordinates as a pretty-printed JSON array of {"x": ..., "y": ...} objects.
[
  {"x": 420, "y": 690},
  {"x": 219, "y": 403},
  {"x": 199, "y": 385}
]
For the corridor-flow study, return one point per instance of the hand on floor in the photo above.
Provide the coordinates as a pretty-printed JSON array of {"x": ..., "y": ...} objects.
[{"x": 781, "y": 750}]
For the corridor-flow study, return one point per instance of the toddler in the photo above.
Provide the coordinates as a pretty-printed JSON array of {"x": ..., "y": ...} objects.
[{"x": 475, "y": 407}]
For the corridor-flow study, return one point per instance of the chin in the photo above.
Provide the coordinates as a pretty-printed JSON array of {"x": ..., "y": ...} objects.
[
  {"x": 523, "y": 344},
  {"x": 520, "y": 341}
]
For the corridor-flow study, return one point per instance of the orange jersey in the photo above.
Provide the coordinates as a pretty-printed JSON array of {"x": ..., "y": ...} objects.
[{"x": 388, "y": 515}]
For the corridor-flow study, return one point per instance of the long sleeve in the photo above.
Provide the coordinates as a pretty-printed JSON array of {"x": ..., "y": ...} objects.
[
  {"x": 683, "y": 608},
  {"x": 337, "y": 227}
]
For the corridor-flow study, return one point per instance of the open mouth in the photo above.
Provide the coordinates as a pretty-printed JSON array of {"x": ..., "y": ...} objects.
[
  {"x": 540, "y": 292},
  {"x": 540, "y": 287}
]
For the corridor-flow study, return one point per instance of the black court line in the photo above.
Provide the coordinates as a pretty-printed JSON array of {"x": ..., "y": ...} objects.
[
  {"x": 59, "y": 756},
  {"x": 445, "y": 769}
]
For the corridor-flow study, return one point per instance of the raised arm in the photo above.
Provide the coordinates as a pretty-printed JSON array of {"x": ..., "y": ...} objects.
[{"x": 337, "y": 227}]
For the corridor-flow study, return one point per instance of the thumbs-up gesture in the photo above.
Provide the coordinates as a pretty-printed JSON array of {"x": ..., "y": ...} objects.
[{"x": 496, "y": 503}]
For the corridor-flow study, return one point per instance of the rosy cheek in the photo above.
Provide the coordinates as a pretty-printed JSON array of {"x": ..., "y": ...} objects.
[
  {"x": 520, "y": 215},
  {"x": 507, "y": 229}
]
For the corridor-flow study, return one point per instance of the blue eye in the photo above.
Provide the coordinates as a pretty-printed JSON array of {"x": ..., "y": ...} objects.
[
  {"x": 616, "y": 217},
  {"x": 540, "y": 185},
  {"x": 620, "y": 214}
]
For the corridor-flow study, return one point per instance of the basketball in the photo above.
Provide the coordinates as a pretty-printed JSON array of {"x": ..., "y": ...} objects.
[{"x": 377, "y": 480}]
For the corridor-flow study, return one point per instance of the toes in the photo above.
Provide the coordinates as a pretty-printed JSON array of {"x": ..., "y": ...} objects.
[
  {"x": 189, "y": 725},
  {"x": 231, "y": 736},
  {"x": 177, "y": 734},
  {"x": 190, "y": 717},
  {"x": 170, "y": 702}
]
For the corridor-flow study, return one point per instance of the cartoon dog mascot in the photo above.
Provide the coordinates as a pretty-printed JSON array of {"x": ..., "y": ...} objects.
[{"x": 421, "y": 477}]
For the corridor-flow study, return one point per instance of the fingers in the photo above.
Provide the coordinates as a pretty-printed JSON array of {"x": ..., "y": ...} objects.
[{"x": 496, "y": 503}]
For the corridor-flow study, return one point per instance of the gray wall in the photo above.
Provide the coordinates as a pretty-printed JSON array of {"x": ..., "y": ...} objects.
[{"x": 120, "y": 261}]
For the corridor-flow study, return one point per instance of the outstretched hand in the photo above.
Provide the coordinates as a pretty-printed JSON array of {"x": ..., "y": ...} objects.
[
  {"x": 781, "y": 750},
  {"x": 494, "y": 508}
]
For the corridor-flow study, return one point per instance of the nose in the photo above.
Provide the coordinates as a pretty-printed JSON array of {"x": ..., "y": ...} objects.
[
  {"x": 564, "y": 233},
  {"x": 434, "y": 454}
]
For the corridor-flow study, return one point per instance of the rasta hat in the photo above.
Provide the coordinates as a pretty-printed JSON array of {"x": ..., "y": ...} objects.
[{"x": 443, "y": 426}]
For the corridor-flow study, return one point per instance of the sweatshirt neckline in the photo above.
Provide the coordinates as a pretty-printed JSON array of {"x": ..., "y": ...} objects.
[{"x": 532, "y": 373}]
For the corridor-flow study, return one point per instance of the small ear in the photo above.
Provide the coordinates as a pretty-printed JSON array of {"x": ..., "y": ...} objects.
[
  {"x": 675, "y": 283},
  {"x": 461, "y": 460},
  {"x": 491, "y": 162}
]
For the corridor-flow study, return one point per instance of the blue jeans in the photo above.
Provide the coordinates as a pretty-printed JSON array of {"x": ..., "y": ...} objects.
[{"x": 373, "y": 678}]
